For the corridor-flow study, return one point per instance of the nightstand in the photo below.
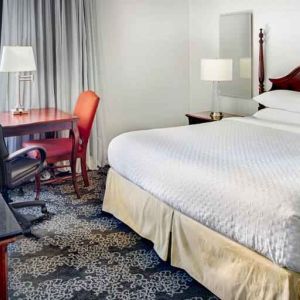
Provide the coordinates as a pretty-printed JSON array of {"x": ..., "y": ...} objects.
[{"x": 204, "y": 117}]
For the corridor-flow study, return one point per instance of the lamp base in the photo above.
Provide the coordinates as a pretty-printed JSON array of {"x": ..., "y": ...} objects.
[
  {"x": 216, "y": 116},
  {"x": 19, "y": 111}
]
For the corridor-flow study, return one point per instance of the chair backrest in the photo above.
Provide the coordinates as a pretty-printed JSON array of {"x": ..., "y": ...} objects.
[
  {"x": 85, "y": 109},
  {"x": 3, "y": 149},
  {"x": 3, "y": 155}
]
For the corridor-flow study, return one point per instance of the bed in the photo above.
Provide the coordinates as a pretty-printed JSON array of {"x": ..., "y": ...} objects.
[{"x": 220, "y": 200}]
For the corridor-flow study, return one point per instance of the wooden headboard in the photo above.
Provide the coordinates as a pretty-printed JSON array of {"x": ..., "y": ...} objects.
[{"x": 288, "y": 82}]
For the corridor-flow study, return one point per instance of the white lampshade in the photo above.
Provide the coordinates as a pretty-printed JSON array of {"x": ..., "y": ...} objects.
[
  {"x": 216, "y": 69},
  {"x": 17, "y": 59},
  {"x": 245, "y": 67}
]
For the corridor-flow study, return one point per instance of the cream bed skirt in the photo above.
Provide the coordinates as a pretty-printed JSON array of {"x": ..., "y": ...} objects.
[{"x": 228, "y": 269}]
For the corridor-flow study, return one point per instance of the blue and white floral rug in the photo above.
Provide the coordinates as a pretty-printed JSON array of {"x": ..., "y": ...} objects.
[{"x": 84, "y": 253}]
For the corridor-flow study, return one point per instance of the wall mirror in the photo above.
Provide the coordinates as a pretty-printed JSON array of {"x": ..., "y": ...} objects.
[{"x": 236, "y": 43}]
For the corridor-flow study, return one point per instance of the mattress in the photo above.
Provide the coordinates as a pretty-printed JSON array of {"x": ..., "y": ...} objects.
[{"x": 239, "y": 177}]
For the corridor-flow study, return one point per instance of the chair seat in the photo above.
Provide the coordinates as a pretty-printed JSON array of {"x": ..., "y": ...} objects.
[
  {"x": 56, "y": 149},
  {"x": 22, "y": 167}
]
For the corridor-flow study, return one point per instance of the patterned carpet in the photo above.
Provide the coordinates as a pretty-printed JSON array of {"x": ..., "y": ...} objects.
[{"x": 84, "y": 253}]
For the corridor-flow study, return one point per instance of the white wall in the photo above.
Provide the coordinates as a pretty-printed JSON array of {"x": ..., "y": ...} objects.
[
  {"x": 279, "y": 18},
  {"x": 145, "y": 55},
  {"x": 151, "y": 51}
]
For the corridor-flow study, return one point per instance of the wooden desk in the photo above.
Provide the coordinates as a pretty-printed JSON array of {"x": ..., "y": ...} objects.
[
  {"x": 43, "y": 120},
  {"x": 9, "y": 229}
]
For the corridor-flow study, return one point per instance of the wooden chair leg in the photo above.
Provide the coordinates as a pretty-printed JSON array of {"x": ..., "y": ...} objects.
[
  {"x": 74, "y": 178},
  {"x": 84, "y": 171},
  {"x": 37, "y": 186}
]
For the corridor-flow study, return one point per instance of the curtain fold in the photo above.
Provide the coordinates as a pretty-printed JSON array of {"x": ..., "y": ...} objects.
[{"x": 66, "y": 44}]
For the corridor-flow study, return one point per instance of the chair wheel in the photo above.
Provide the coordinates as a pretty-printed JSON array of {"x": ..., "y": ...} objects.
[
  {"x": 21, "y": 192},
  {"x": 27, "y": 232},
  {"x": 44, "y": 210}
]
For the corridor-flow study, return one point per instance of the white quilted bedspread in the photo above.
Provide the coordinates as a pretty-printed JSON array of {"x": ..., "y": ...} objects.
[{"x": 240, "y": 177}]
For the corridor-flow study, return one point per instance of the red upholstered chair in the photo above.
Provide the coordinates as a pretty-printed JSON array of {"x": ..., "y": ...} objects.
[{"x": 60, "y": 149}]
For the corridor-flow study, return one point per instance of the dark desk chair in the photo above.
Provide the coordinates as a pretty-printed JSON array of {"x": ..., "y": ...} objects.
[{"x": 16, "y": 169}]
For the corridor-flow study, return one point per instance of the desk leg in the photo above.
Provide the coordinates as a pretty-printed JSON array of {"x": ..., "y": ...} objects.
[
  {"x": 75, "y": 136},
  {"x": 3, "y": 272}
]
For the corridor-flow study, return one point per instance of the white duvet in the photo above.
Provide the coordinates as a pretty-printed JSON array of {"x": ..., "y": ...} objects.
[{"x": 239, "y": 176}]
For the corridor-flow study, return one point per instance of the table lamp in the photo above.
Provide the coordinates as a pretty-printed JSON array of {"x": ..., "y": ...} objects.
[
  {"x": 18, "y": 59},
  {"x": 216, "y": 70}
]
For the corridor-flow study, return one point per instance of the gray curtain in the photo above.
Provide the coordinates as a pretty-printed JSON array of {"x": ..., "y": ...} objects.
[{"x": 66, "y": 43}]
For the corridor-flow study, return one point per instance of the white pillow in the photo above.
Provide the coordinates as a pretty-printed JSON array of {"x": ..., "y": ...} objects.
[
  {"x": 281, "y": 99},
  {"x": 278, "y": 115}
]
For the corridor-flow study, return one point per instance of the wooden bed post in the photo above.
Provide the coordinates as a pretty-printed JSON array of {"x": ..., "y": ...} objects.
[{"x": 261, "y": 67}]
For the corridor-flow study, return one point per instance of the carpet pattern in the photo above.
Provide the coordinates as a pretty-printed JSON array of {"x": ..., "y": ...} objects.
[{"x": 84, "y": 253}]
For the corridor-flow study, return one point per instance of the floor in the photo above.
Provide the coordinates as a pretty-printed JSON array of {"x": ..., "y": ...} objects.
[{"x": 81, "y": 252}]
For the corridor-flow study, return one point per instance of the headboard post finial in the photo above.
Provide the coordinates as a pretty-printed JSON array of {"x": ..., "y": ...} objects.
[{"x": 261, "y": 68}]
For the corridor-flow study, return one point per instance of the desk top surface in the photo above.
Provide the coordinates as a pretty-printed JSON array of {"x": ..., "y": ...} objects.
[
  {"x": 9, "y": 227},
  {"x": 35, "y": 116}
]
